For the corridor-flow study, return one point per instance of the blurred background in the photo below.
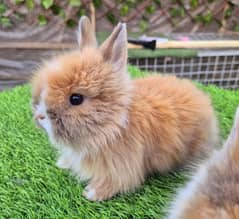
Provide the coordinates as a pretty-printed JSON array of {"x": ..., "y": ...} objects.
[{"x": 32, "y": 30}]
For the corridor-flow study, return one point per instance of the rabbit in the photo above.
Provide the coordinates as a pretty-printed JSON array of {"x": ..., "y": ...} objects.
[
  {"x": 110, "y": 130},
  {"x": 213, "y": 191}
]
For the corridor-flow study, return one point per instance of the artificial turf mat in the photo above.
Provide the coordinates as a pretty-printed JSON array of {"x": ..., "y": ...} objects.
[{"x": 31, "y": 186}]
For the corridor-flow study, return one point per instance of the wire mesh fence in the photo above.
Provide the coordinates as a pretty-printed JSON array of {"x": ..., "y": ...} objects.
[{"x": 218, "y": 67}]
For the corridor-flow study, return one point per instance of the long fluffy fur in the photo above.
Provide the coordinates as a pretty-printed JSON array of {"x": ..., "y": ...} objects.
[
  {"x": 125, "y": 129},
  {"x": 214, "y": 190}
]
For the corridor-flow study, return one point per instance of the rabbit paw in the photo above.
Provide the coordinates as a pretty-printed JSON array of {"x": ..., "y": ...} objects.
[
  {"x": 89, "y": 193},
  {"x": 98, "y": 192}
]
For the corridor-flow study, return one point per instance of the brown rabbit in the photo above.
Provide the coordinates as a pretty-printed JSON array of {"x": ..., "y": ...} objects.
[
  {"x": 213, "y": 192},
  {"x": 110, "y": 130}
]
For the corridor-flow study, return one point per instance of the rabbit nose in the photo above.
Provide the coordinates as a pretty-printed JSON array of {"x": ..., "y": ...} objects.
[{"x": 39, "y": 116}]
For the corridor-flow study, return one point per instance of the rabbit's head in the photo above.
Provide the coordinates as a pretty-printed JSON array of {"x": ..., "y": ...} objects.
[{"x": 81, "y": 98}]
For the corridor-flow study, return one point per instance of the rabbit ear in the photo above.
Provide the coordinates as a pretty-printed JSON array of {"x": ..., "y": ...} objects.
[
  {"x": 85, "y": 34},
  {"x": 114, "y": 49},
  {"x": 232, "y": 143}
]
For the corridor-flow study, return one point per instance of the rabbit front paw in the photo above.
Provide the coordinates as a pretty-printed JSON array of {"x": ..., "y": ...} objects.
[
  {"x": 89, "y": 193},
  {"x": 98, "y": 192}
]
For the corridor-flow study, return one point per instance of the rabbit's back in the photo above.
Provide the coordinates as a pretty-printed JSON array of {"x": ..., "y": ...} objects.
[{"x": 173, "y": 119}]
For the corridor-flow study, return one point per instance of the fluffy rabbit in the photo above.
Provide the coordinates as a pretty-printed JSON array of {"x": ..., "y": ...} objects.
[
  {"x": 110, "y": 130},
  {"x": 214, "y": 190}
]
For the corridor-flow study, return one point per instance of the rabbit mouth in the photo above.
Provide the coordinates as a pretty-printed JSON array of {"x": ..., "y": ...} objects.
[
  {"x": 53, "y": 126},
  {"x": 44, "y": 122},
  {"x": 52, "y": 115}
]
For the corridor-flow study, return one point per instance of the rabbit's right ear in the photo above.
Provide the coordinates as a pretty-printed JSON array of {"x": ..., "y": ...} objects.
[{"x": 85, "y": 34}]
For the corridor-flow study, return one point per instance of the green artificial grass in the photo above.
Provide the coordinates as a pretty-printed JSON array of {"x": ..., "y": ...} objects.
[{"x": 31, "y": 186}]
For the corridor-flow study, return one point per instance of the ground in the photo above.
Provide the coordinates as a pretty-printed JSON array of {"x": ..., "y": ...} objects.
[{"x": 31, "y": 186}]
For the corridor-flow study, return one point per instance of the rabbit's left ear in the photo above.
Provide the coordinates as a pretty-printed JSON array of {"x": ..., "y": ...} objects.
[
  {"x": 114, "y": 49},
  {"x": 85, "y": 34}
]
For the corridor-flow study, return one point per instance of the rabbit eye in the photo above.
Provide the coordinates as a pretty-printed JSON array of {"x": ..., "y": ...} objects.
[{"x": 76, "y": 99}]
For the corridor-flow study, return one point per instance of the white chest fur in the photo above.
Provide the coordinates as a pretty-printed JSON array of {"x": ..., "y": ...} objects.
[
  {"x": 69, "y": 158},
  {"x": 73, "y": 160}
]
